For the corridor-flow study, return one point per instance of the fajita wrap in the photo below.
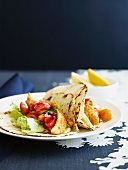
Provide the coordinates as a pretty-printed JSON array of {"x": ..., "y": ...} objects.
[
  {"x": 34, "y": 118},
  {"x": 72, "y": 100}
]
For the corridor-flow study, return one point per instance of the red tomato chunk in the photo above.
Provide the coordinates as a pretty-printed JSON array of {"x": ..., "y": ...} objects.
[
  {"x": 23, "y": 108},
  {"x": 35, "y": 111},
  {"x": 32, "y": 115},
  {"x": 40, "y": 106}
]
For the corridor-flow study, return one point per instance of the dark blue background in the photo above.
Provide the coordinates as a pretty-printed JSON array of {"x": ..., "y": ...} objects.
[{"x": 63, "y": 34}]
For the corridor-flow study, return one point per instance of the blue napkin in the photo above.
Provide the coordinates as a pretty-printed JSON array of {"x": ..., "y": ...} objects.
[{"x": 15, "y": 85}]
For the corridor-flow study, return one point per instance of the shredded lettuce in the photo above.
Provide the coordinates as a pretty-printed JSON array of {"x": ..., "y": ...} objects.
[
  {"x": 15, "y": 107},
  {"x": 29, "y": 125},
  {"x": 26, "y": 125},
  {"x": 67, "y": 130},
  {"x": 58, "y": 106},
  {"x": 15, "y": 114},
  {"x": 22, "y": 123},
  {"x": 87, "y": 121}
]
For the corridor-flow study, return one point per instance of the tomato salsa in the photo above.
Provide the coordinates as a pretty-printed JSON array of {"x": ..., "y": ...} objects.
[{"x": 44, "y": 112}]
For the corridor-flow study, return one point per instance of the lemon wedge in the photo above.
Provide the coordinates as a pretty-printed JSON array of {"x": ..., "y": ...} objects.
[
  {"x": 77, "y": 78},
  {"x": 96, "y": 79}
]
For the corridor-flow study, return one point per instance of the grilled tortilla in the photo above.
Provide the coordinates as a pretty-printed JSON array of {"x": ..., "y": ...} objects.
[
  {"x": 61, "y": 124},
  {"x": 72, "y": 101},
  {"x": 6, "y": 122}
]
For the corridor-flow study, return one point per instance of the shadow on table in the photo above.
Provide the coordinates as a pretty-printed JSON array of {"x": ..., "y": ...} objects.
[{"x": 7, "y": 145}]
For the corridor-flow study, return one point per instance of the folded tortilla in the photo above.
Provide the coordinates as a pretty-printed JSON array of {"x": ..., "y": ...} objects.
[
  {"x": 72, "y": 100},
  {"x": 7, "y": 126},
  {"x": 61, "y": 123}
]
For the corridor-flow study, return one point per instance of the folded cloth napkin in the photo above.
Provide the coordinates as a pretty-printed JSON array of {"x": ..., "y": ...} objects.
[{"x": 15, "y": 85}]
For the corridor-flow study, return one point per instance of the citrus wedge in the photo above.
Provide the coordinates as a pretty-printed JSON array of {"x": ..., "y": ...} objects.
[
  {"x": 95, "y": 79},
  {"x": 77, "y": 78}
]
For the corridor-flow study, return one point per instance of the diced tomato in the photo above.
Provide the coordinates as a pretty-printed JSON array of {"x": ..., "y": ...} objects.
[
  {"x": 23, "y": 108},
  {"x": 52, "y": 123},
  {"x": 40, "y": 106},
  {"x": 49, "y": 121},
  {"x": 48, "y": 118},
  {"x": 31, "y": 107},
  {"x": 46, "y": 125},
  {"x": 31, "y": 115},
  {"x": 87, "y": 101}
]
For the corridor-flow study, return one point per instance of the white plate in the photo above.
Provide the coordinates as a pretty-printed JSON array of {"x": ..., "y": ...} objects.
[{"x": 5, "y": 106}]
